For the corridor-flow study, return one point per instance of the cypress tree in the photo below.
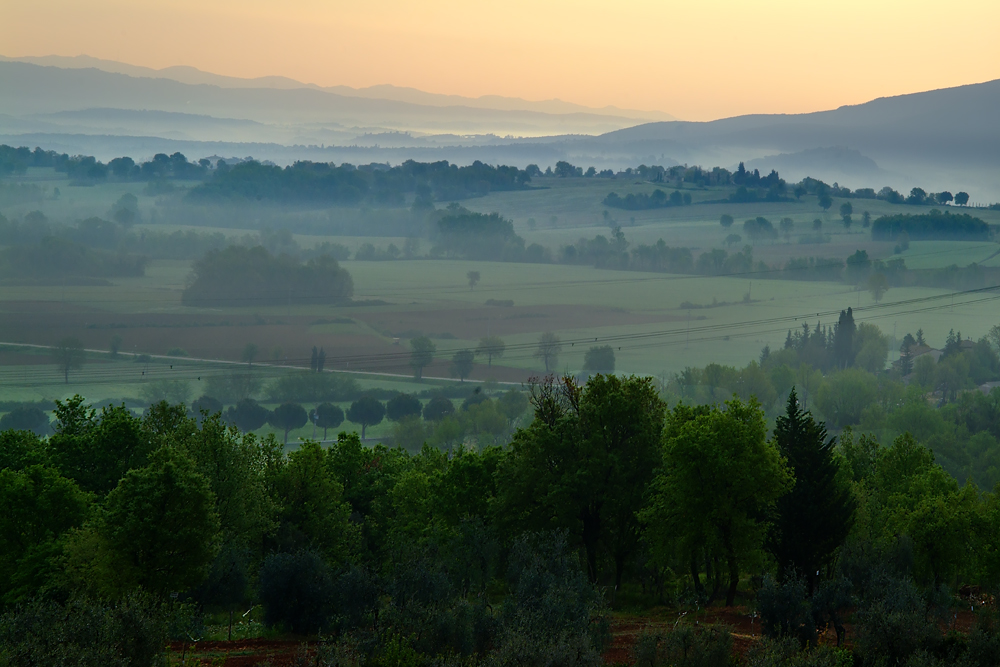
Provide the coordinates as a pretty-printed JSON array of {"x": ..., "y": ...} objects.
[
  {"x": 816, "y": 515},
  {"x": 843, "y": 342}
]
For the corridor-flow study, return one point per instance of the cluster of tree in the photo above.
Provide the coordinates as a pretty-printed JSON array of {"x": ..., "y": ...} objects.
[
  {"x": 253, "y": 276},
  {"x": 465, "y": 234},
  {"x": 642, "y": 201},
  {"x": 841, "y": 374},
  {"x": 379, "y": 184},
  {"x": 931, "y": 226}
]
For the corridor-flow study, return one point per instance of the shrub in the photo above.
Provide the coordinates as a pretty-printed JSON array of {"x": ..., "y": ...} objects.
[
  {"x": 685, "y": 646},
  {"x": 130, "y": 632},
  {"x": 297, "y": 591}
]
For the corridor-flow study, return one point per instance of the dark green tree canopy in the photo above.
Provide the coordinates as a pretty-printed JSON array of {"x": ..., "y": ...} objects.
[
  {"x": 599, "y": 359},
  {"x": 328, "y": 416},
  {"x": 815, "y": 517},
  {"x": 161, "y": 525},
  {"x": 438, "y": 408},
  {"x": 288, "y": 417},
  {"x": 402, "y": 405},
  {"x": 366, "y": 411}
]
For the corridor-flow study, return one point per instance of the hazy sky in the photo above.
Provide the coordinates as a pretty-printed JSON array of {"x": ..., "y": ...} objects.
[{"x": 697, "y": 59}]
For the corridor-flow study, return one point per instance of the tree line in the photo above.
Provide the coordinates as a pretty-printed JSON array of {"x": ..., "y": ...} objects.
[
  {"x": 498, "y": 555},
  {"x": 347, "y": 185}
]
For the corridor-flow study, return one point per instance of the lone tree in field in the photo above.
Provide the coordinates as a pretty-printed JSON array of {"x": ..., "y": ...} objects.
[
  {"x": 328, "y": 415},
  {"x": 878, "y": 285},
  {"x": 825, "y": 201},
  {"x": 69, "y": 356},
  {"x": 599, "y": 359},
  {"x": 490, "y": 347},
  {"x": 726, "y": 220},
  {"x": 288, "y": 417},
  {"x": 961, "y": 198},
  {"x": 115, "y": 345},
  {"x": 473, "y": 277},
  {"x": 314, "y": 360},
  {"x": 366, "y": 411},
  {"x": 422, "y": 351},
  {"x": 845, "y": 213},
  {"x": 548, "y": 350},
  {"x": 787, "y": 225},
  {"x": 462, "y": 363},
  {"x": 249, "y": 354}
]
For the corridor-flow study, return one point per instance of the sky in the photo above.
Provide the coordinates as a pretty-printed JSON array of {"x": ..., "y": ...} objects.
[{"x": 697, "y": 60}]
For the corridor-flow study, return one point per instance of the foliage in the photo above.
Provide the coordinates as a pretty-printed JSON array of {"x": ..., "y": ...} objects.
[
  {"x": 584, "y": 461},
  {"x": 303, "y": 386},
  {"x": 599, "y": 359},
  {"x": 934, "y": 225},
  {"x": 720, "y": 475},
  {"x": 297, "y": 591},
  {"x": 247, "y": 415},
  {"x": 253, "y": 276},
  {"x": 288, "y": 417},
  {"x": 548, "y": 350},
  {"x": 320, "y": 183},
  {"x": 422, "y": 351},
  {"x": 685, "y": 646},
  {"x": 402, "y": 405},
  {"x": 366, "y": 411},
  {"x": 804, "y": 545},
  {"x": 25, "y": 418},
  {"x": 130, "y": 632}
]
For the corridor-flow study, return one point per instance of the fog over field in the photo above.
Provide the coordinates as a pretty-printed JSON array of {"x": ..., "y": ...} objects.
[{"x": 373, "y": 355}]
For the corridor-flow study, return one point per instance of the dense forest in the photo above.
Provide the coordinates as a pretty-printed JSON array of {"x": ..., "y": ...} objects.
[{"x": 122, "y": 532}]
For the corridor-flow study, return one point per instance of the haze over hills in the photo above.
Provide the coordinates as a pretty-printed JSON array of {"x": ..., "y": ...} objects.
[
  {"x": 942, "y": 139},
  {"x": 194, "y": 76}
]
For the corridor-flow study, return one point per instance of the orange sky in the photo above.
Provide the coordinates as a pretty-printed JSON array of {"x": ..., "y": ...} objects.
[{"x": 695, "y": 59}]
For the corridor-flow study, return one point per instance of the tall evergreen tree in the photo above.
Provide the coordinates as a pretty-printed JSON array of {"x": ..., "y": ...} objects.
[
  {"x": 814, "y": 518},
  {"x": 843, "y": 342},
  {"x": 314, "y": 362}
]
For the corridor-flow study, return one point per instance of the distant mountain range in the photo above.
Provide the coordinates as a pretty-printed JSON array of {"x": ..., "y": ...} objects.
[{"x": 942, "y": 139}]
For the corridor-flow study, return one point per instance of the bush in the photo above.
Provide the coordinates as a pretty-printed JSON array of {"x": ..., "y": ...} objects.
[
  {"x": 297, "y": 591},
  {"x": 785, "y": 611},
  {"x": 685, "y": 646},
  {"x": 892, "y": 625},
  {"x": 128, "y": 633},
  {"x": 788, "y": 653}
]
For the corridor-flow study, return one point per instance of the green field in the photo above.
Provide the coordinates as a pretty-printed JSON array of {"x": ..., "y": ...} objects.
[{"x": 639, "y": 314}]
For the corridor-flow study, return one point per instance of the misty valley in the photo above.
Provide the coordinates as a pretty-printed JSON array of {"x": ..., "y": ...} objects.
[{"x": 377, "y": 393}]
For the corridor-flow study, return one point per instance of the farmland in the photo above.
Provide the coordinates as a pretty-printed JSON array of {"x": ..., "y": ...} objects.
[{"x": 657, "y": 323}]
